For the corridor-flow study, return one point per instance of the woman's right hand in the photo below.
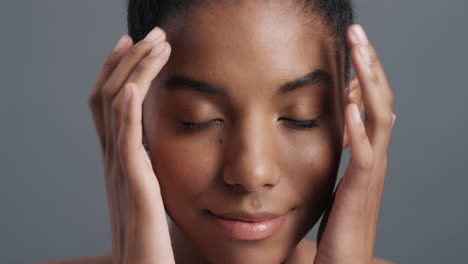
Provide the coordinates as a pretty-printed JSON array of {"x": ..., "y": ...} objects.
[{"x": 138, "y": 220}]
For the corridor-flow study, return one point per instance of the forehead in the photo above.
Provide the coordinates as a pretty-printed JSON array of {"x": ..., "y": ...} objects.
[{"x": 259, "y": 44}]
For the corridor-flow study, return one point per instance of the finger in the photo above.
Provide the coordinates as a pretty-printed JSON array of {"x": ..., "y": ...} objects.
[
  {"x": 121, "y": 73},
  {"x": 147, "y": 69},
  {"x": 111, "y": 62},
  {"x": 356, "y": 36},
  {"x": 141, "y": 77},
  {"x": 135, "y": 162},
  {"x": 131, "y": 59},
  {"x": 95, "y": 96},
  {"x": 361, "y": 153},
  {"x": 364, "y": 176},
  {"x": 377, "y": 95}
]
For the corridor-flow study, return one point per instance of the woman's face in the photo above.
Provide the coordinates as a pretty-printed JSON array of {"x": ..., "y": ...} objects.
[{"x": 248, "y": 69}]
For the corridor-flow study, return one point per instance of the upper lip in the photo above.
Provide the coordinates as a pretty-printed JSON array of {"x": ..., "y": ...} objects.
[{"x": 247, "y": 216}]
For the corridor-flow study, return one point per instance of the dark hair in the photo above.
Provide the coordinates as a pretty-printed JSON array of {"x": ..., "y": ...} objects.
[{"x": 337, "y": 15}]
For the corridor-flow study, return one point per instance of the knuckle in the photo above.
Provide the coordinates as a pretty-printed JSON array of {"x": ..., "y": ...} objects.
[
  {"x": 93, "y": 99},
  {"x": 116, "y": 107},
  {"x": 385, "y": 118},
  {"x": 372, "y": 53},
  {"x": 141, "y": 67},
  {"x": 110, "y": 62},
  {"x": 107, "y": 92},
  {"x": 355, "y": 53},
  {"x": 134, "y": 51},
  {"x": 374, "y": 77},
  {"x": 365, "y": 163}
]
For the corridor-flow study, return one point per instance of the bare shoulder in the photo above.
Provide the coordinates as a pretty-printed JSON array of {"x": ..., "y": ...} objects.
[
  {"x": 312, "y": 248},
  {"x": 103, "y": 259}
]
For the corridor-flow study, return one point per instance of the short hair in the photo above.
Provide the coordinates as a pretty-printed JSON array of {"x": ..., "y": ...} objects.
[{"x": 337, "y": 15}]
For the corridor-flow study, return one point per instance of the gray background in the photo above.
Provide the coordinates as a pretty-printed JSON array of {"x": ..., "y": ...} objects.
[{"x": 52, "y": 196}]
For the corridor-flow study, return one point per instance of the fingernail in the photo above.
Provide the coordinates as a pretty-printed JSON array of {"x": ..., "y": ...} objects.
[
  {"x": 120, "y": 43},
  {"x": 154, "y": 34},
  {"x": 360, "y": 34},
  {"x": 365, "y": 55},
  {"x": 158, "y": 48},
  {"x": 355, "y": 113},
  {"x": 394, "y": 118}
]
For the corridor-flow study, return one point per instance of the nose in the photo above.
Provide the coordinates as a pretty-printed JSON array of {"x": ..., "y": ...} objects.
[{"x": 251, "y": 164}]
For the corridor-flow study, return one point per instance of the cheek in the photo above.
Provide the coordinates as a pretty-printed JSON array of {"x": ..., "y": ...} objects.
[
  {"x": 312, "y": 162},
  {"x": 186, "y": 168}
]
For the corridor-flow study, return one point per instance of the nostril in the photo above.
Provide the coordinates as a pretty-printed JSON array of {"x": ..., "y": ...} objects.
[{"x": 236, "y": 188}]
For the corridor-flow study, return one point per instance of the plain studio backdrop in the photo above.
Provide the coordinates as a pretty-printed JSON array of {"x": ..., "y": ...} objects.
[{"x": 52, "y": 195}]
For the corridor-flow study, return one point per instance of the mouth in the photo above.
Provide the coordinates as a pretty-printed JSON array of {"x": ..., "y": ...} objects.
[{"x": 248, "y": 226}]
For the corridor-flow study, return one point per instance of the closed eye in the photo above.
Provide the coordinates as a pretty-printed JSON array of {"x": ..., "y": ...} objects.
[
  {"x": 297, "y": 124},
  {"x": 300, "y": 124},
  {"x": 188, "y": 126}
]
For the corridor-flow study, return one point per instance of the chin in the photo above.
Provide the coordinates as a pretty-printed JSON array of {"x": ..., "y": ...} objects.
[
  {"x": 218, "y": 247},
  {"x": 227, "y": 252}
]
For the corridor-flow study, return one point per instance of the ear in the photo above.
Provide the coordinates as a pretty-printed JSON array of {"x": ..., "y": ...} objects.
[{"x": 353, "y": 97}]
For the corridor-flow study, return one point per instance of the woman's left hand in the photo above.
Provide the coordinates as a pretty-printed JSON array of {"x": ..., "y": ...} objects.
[{"x": 347, "y": 232}]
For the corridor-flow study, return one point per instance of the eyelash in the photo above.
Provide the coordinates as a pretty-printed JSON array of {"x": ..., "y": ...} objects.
[
  {"x": 297, "y": 124},
  {"x": 187, "y": 126}
]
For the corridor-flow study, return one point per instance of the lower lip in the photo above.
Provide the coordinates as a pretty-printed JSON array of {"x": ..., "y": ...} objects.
[{"x": 244, "y": 230}]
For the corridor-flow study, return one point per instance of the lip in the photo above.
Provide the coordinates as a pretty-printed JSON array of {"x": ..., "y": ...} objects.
[
  {"x": 248, "y": 217},
  {"x": 248, "y": 226}
]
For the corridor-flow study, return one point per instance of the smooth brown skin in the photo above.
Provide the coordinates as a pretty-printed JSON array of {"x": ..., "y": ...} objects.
[{"x": 253, "y": 160}]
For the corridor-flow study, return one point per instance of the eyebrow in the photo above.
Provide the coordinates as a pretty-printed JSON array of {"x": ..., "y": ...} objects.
[{"x": 177, "y": 82}]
